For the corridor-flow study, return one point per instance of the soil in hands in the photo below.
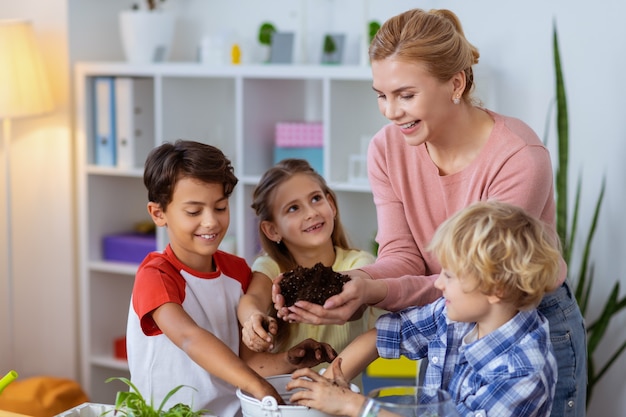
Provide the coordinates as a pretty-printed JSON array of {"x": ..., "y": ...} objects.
[{"x": 314, "y": 284}]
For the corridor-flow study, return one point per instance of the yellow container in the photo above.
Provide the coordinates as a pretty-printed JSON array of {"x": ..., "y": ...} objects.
[{"x": 393, "y": 368}]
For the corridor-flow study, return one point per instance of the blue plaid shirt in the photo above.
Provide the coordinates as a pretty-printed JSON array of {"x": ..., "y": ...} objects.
[{"x": 510, "y": 372}]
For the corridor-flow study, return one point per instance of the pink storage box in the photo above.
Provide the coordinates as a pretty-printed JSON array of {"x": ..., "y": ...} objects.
[{"x": 299, "y": 135}]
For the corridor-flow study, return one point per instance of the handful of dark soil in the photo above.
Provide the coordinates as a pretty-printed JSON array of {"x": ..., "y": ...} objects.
[{"x": 314, "y": 284}]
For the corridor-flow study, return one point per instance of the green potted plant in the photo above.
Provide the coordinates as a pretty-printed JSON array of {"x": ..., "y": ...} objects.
[
  {"x": 266, "y": 31},
  {"x": 133, "y": 404},
  {"x": 567, "y": 230},
  {"x": 278, "y": 45},
  {"x": 329, "y": 48},
  {"x": 329, "y": 45},
  {"x": 332, "y": 48},
  {"x": 373, "y": 27}
]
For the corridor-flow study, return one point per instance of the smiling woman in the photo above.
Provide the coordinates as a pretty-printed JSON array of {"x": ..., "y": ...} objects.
[{"x": 440, "y": 153}]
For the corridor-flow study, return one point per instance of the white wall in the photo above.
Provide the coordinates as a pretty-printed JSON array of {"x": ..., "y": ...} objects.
[
  {"x": 38, "y": 335},
  {"x": 514, "y": 39}
]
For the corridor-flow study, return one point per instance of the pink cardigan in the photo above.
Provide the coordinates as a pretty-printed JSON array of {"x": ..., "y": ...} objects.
[{"x": 412, "y": 200}]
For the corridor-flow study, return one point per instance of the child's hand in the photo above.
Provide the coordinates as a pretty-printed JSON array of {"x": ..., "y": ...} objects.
[
  {"x": 332, "y": 396},
  {"x": 309, "y": 353},
  {"x": 258, "y": 332},
  {"x": 278, "y": 299}
]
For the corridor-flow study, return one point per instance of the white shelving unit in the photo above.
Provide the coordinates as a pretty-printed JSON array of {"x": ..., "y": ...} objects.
[{"x": 234, "y": 108}]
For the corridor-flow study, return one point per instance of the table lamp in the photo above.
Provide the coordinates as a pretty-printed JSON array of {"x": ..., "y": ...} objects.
[{"x": 24, "y": 91}]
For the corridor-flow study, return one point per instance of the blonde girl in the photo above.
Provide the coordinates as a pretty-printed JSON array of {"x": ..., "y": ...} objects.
[{"x": 299, "y": 224}]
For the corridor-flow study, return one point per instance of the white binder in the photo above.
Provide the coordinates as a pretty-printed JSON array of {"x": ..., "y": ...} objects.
[{"x": 134, "y": 109}]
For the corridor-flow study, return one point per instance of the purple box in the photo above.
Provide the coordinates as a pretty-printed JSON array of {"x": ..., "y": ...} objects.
[{"x": 128, "y": 247}]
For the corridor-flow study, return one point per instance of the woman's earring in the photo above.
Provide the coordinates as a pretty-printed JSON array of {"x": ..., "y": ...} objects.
[
  {"x": 278, "y": 241},
  {"x": 456, "y": 100}
]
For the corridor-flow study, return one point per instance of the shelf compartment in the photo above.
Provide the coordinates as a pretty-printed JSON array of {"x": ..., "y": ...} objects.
[
  {"x": 200, "y": 109},
  {"x": 121, "y": 268},
  {"x": 109, "y": 296},
  {"x": 105, "y": 392},
  {"x": 358, "y": 216},
  {"x": 267, "y": 102},
  {"x": 110, "y": 363},
  {"x": 116, "y": 204},
  {"x": 353, "y": 119}
]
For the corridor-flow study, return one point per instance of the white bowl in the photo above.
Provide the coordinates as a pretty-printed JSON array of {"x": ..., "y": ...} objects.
[
  {"x": 88, "y": 410},
  {"x": 268, "y": 407}
]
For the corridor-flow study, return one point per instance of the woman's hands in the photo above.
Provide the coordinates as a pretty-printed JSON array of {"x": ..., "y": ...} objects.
[
  {"x": 338, "y": 309},
  {"x": 332, "y": 396}
]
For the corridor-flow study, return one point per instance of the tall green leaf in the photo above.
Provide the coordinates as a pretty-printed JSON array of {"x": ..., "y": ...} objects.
[
  {"x": 563, "y": 146},
  {"x": 596, "y": 330}
]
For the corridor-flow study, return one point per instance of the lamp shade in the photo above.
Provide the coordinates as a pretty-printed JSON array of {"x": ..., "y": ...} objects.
[{"x": 24, "y": 87}]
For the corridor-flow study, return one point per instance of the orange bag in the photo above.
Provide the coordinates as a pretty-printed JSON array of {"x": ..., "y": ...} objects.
[{"x": 42, "y": 396}]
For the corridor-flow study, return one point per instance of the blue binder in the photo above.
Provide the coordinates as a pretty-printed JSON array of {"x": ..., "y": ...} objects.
[{"x": 104, "y": 121}]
